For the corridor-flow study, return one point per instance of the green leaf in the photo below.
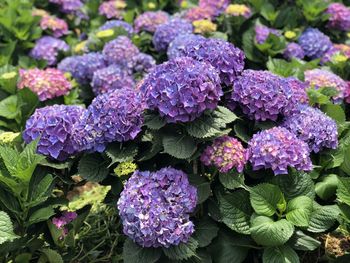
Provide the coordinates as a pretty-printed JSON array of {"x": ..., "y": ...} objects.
[
  {"x": 316, "y": 97},
  {"x": 206, "y": 231},
  {"x": 8, "y": 78},
  {"x": 52, "y": 256},
  {"x": 182, "y": 251},
  {"x": 236, "y": 211},
  {"x": 327, "y": 187},
  {"x": 323, "y": 218},
  {"x": 232, "y": 180},
  {"x": 227, "y": 248},
  {"x": 42, "y": 214},
  {"x": 242, "y": 132},
  {"x": 343, "y": 191},
  {"x": 93, "y": 167},
  {"x": 335, "y": 111},
  {"x": 299, "y": 211},
  {"x": 179, "y": 146},
  {"x": 119, "y": 153},
  {"x": 133, "y": 253},
  {"x": 345, "y": 166},
  {"x": 6, "y": 228},
  {"x": 282, "y": 254},
  {"x": 269, "y": 233},
  {"x": 40, "y": 189},
  {"x": 9, "y": 107},
  {"x": 295, "y": 184},
  {"x": 266, "y": 199},
  {"x": 224, "y": 114},
  {"x": 300, "y": 241},
  {"x": 202, "y": 185},
  {"x": 154, "y": 121}
]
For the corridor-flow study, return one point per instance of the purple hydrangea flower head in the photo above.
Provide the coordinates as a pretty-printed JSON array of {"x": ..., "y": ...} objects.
[
  {"x": 216, "y": 6},
  {"x": 112, "y": 9},
  {"x": 69, "y": 6},
  {"x": 199, "y": 13},
  {"x": 182, "y": 89},
  {"x": 341, "y": 49},
  {"x": 293, "y": 50},
  {"x": 347, "y": 93},
  {"x": 225, "y": 153},
  {"x": 299, "y": 90},
  {"x": 262, "y": 33},
  {"x": 63, "y": 220},
  {"x": 313, "y": 127},
  {"x": 314, "y": 43},
  {"x": 120, "y": 51},
  {"x": 278, "y": 149},
  {"x": 57, "y": 26},
  {"x": 47, "y": 84},
  {"x": 143, "y": 63},
  {"x": 111, "y": 78},
  {"x": 48, "y": 48},
  {"x": 318, "y": 78},
  {"x": 165, "y": 33},
  {"x": 227, "y": 59},
  {"x": 112, "y": 116},
  {"x": 117, "y": 23},
  {"x": 262, "y": 95},
  {"x": 54, "y": 125},
  {"x": 339, "y": 16},
  {"x": 83, "y": 67},
  {"x": 150, "y": 20},
  {"x": 155, "y": 208},
  {"x": 177, "y": 46}
]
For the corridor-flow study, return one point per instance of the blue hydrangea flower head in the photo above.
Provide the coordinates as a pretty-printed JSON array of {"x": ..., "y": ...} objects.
[{"x": 314, "y": 43}]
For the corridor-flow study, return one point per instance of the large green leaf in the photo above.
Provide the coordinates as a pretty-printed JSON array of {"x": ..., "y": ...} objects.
[
  {"x": 269, "y": 233},
  {"x": 6, "y": 228},
  {"x": 266, "y": 199},
  {"x": 232, "y": 180},
  {"x": 93, "y": 167},
  {"x": 50, "y": 256},
  {"x": 206, "y": 230},
  {"x": 299, "y": 211},
  {"x": 133, "y": 253},
  {"x": 202, "y": 185},
  {"x": 9, "y": 107},
  {"x": 327, "y": 187},
  {"x": 182, "y": 251},
  {"x": 282, "y": 254},
  {"x": 301, "y": 241},
  {"x": 154, "y": 121},
  {"x": 120, "y": 153},
  {"x": 343, "y": 191},
  {"x": 179, "y": 146},
  {"x": 236, "y": 211},
  {"x": 42, "y": 214},
  {"x": 323, "y": 217},
  {"x": 335, "y": 111}
]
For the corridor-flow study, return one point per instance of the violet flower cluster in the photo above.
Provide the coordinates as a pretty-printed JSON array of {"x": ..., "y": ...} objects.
[
  {"x": 83, "y": 67},
  {"x": 113, "y": 116},
  {"x": 150, "y": 20},
  {"x": 165, "y": 33},
  {"x": 63, "y": 220},
  {"x": 341, "y": 49},
  {"x": 115, "y": 24},
  {"x": 177, "y": 46},
  {"x": 155, "y": 208},
  {"x": 199, "y": 13},
  {"x": 299, "y": 90},
  {"x": 278, "y": 149},
  {"x": 318, "y": 78},
  {"x": 314, "y": 43},
  {"x": 227, "y": 59},
  {"x": 262, "y": 33},
  {"x": 47, "y": 48},
  {"x": 70, "y": 7},
  {"x": 112, "y": 9},
  {"x": 225, "y": 154},
  {"x": 215, "y": 6},
  {"x": 143, "y": 63},
  {"x": 46, "y": 83},
  {"x": 293, "y": 50},
  {"x": 313, "y": 127},
  {"x": 54, "y": 127},
  {"x": 339, "y": 16},
  {"x": 57, "y": 26},
  {"x": 182, "y": 89},
  {"x": 262, "y": 95},
  {"x": 111, "y": 78}
]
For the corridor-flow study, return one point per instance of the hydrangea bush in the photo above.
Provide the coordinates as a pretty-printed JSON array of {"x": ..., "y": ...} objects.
[{"x": 174, "y": 131}]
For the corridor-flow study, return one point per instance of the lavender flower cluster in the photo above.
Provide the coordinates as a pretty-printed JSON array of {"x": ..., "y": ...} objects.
[
  {"x": 314, "y": 43},
  {"x": 225, "y": 153},
  {"x": 150, "y": 20},
  {"x": 339, "y": 16},
  {"x": 293, "y": 50},
  {"x": 177, "y": 46},
  {"x": 54, "y": 125},
  {"x": 57, "y": 26},
  {"x": 155, "y": 208},
  {"x": 112, "y": 9},
  {"x": 182, "y": 89}
]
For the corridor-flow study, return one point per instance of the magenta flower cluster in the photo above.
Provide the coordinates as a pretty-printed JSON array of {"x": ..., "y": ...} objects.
[
  {"x": 314, "y": 43},
  {"x": 165, "y": 33},
  {"x": 63, "y": 220},
  {"x": 227, "y": 59},
  {"x": 155, "y": 208},
  {"x": 47, "y": 48},
  {"x": 53, "y": 125},
  {"x": 215, "y": 6},
  {"x": 278, "y": 149},
  {"x": 47, "y": 83},
  {"x": 182, "y": 89},
  {"x": 339, "y": 16},
  {"x": 262, "y": 95},
  {"x": 225, "y": 154},
  {"x": 113, "y": 116},
  {"x": 293, "y": 50},
  {"x": 150, "y": 20},
  {"x": 57, "y": 26},
  {"x": 313, "y": 127}
]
